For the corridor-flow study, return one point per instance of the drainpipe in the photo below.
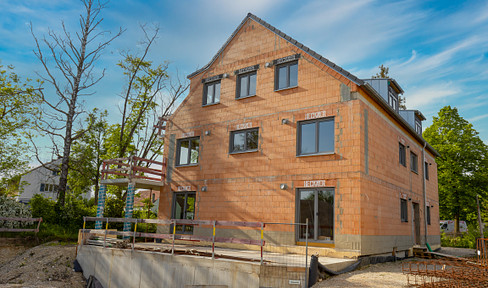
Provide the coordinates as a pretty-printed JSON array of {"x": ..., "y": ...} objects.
[{"x": 424, "y": 193}]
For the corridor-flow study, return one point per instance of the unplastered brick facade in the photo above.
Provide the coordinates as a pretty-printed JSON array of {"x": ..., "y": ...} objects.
[{"x": 353, "y": 182}]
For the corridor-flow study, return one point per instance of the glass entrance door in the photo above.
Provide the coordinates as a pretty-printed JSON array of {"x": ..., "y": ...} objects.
[
  {"x": 184, "y": 208},
  {"x": 316, "y": 205}
]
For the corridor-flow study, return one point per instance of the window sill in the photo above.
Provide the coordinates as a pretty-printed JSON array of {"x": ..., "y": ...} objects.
[
  {"x": 405, "y": 222},
  {"x": 245, "y": 97},
  {"x": 416, "y": 172},
  {"x": 186, "y": 165},
  {"x": 316, "y": 154},
  {"x": 403, "y": 165},
  {"x": 286, "y": 88},
  {"x": 211, "y": 104},
  {"x": 243, "y": 152}
]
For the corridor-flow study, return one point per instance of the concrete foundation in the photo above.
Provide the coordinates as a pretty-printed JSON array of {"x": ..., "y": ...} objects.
[{"x": 127, "y": 268}]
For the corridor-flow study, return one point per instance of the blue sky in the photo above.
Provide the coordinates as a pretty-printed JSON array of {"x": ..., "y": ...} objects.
[{"x": 436, "y": 50}]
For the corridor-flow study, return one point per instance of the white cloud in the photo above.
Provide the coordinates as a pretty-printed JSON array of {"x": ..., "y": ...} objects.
[
  {"x": 477, "y": 118},
  {"x": 435, "y": 94}
]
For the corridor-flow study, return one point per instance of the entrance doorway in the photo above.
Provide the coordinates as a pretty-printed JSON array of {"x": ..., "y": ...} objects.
[
  {"x": 316, "y": 205},
  {"x": 416, "y": 222},
  {"x": 184, "y": 208}
]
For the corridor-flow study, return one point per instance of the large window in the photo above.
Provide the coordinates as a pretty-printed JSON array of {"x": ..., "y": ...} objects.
[
  {"x": 316, "y": 137},
  {"x": 244, "y": 140},
  {"x": 316, "y": 205},
  {"x": 48, "y": 187},
  {"x": 246, "y": 85},
  {"x": 184, "y": 208},
  {"x": 402, "y": 154},
  {"x": 211, "y": 93},
  {"x": 286, "y": 75},
  {"x": 414, "y": 165},
  {"x": 404, "y": 210},
  {"x": 187, "y": 151}
]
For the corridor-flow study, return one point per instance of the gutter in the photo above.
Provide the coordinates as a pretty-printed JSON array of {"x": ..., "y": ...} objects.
[{"x": 424, "y": 192}]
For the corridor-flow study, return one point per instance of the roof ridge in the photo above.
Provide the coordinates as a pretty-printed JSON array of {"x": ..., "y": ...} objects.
[{"x": 294, "y": 42}]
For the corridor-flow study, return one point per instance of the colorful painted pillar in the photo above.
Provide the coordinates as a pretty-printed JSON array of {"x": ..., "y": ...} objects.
[
  {"x": 101, "y": 204},
  {"x": 129, "y": 205}
]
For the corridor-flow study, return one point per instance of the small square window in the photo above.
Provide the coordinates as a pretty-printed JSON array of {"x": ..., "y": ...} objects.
[
  {"x": 187, "y": 151},
  {"x": 404, "y": 210},
  {"x": 428, "y": 215},
  {"x": 402, "y": 154},
  {"x": 286, "y": 75},
  {"x": 246, "y": 85},
  {"x": 414, "y": 165},
  {"x": 426, "y": 170},
  {"x": 244, "y": 141},
  {"x": 315, "y": 137},
  {"x": 211, "y": 93}
]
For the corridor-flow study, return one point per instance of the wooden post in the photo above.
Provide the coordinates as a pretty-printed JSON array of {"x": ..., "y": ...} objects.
[{"x": 480, "y": 223}]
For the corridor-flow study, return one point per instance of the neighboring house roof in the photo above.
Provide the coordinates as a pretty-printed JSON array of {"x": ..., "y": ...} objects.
[
  {"x": 50, "y": 164},
  {"x": 370, "y": 90}
]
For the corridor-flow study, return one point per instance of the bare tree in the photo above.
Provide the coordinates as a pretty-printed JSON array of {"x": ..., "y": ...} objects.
[{"x": 72, "y": 75}]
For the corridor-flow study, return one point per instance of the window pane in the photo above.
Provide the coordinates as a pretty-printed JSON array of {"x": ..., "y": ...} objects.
[
  {"x": 190, "y": 207},
  {"x": 243, "y": 86},
  {"x": 252, "y": 84},
  {"x": 293, "y": 75},
  {"x": 210, "y": 93},
  {"x": 184, "y": 151},
  {"x": 252, "y": 140},
  {"x": 326, "y": 136},
  {"x": 179, "y": 206},
  {"x": 325, "y": 200},
  {"x": 239, "y": 141},
  {"x": 307, "y": 138},
  {"x": 282, "y": 77},
  {"x": 195, "y": 146},
  {"x": 217, "y": 93},
  {"x": 307, "y": 208}
]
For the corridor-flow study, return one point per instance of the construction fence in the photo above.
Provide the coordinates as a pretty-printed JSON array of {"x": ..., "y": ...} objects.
[{"x": 264, "y": 243}]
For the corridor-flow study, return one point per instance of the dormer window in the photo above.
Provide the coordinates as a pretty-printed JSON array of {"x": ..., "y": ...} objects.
[
  {"x": 418, "y": 126},
  {"x": 393, "y": 99}
]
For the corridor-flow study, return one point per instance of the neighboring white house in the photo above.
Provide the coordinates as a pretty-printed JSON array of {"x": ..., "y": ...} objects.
[{"x": 42, "y": 180}]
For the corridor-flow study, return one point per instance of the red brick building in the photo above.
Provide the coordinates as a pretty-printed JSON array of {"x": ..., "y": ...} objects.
[{"x": 271, "y": 131}]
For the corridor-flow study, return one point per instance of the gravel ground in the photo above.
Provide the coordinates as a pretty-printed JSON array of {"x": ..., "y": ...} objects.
[
  {"x": 51, "y": 265},
  {"x": 384, "y": 274},
  {"x": 47, "y": 265}
]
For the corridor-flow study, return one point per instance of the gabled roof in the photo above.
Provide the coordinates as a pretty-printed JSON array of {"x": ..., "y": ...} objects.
[
  {"x": 294, "y": 42},
  {"x": 370, "y": 90}
]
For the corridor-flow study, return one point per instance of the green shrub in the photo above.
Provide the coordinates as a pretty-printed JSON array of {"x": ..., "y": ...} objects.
[
  {"x": 11, "y": 208},
  {"x": 466, "y": 240}
]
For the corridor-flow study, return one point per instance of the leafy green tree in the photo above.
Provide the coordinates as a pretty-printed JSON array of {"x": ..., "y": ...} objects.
[
  {"x": 149, "y": 96},
  {"x": 462, "y": 166},
  {"x": 87, "y": 155},
  {"x": 18, "y": 103}
]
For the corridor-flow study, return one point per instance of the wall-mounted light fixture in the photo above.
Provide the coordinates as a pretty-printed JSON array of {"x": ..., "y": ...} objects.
[
  {"x": 409, "y": 199},
  {"x": 285, "y": 121},
  {"x": 207, "y": 132},
  {"x": 431, "y": 206},
  {"x": 225, "y": 75},
  {"x": 268, "y": 64},
  {"x": 204, "y": 189},
  {"x": 408, "y": 146},
  {"x": 283, "y": 186}
]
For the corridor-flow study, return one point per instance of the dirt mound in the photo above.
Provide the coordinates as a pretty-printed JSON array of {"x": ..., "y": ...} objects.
[{"x": 47, "y": 265}]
